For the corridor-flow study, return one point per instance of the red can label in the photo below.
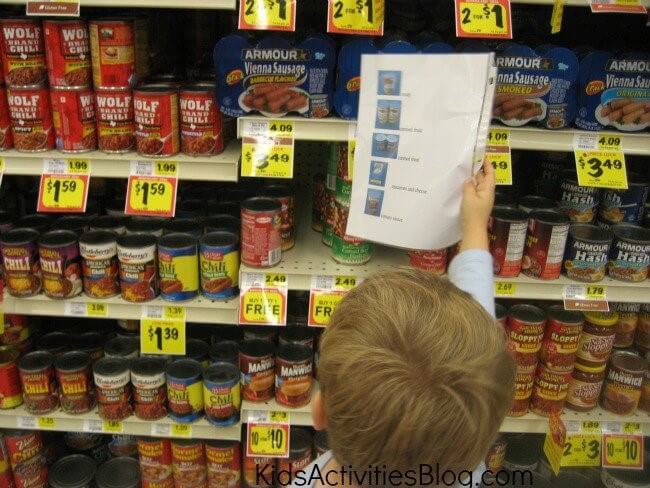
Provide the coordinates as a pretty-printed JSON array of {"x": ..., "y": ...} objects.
[
  {"x": 433, "y": 261},
  {"x": 224, "y": 465},
  {"x": 6, "y": 137},
  {"x": 6, "y": 478},
  {"x": 155, "y": 463},
  {"x": 560, "y": 344},
  {"x": 10, "y": 391},
  {"x": 524, "y": 341},
  {"x": 68, "y": 52},
  {"x": 22, "y": 446},
  {"x": 189, "y": 465},
  {"x": 112, "y": 46},
  {"x": 31, "y": 118},
  {"x": 115, "y": 126},
  {"x": 156, "y": 119},
  {"x": 22, "y": 269},
  {"x": 506, "y": 246},
  {"x": 150, "y": 396},
  {"x": 261, "y": 244},
  {"x": 200, "y": 123},
  {"x": 40, "y": 392},
  {"x": 257, "y": 377},
  {"x": 61, "y": 267},
  {"x": 23, "y": 54},
  {"x": 287, "y": 230},
  {"x": 113, "y": 396},
  {"x": 73, "y": 113},
  {"x": 544, "y": 249},
  {"x": 255, "y": 465},
  {"x": 293, "y": 381},
  {"x": 76, "y": 391},
  {"x": 550, "y": 391}
]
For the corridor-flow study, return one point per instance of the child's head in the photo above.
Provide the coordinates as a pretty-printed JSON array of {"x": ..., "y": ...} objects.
[{"x": 412, "y": 371}]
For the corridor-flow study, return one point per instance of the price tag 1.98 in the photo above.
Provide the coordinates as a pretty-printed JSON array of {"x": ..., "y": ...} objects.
[
  {"x": 497, "y": 152},
  {"x": 487, "y": 19},
  {"x": 357, "y": 17},
  {"x": 162, "y": 336},
  {"x": 268, "y": 434},
  {"x": 267, "y": 149},
  {"x": 278, "y": 15},
  {"x": 263, "y": 299},
  {"x": 151, "y": 189},
  {"x": 325, "y": 294},
  {"x": 64, "y": 186}
]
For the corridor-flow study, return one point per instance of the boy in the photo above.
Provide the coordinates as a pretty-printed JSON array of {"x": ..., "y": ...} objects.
[{"x": 414, "y": 375}]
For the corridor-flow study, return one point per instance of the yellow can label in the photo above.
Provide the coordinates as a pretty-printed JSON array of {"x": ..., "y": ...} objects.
[{"x": 179, "y": 273}]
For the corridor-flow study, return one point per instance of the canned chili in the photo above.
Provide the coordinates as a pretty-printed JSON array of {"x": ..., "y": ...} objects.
[
  {"x": 586, "y": 252},
  {"x": 6, "y": 137},
  {"x": 293, "y": 375},
  {"x": 60, "y": 264},
  {"x": 549, "y": 391},
  {"x": 115, "y": 124},
  {"x": 219, "y": 264},
  {"x": 345, "y": 248},
  {"x": 525, "y": 331},
  {"x": 31, "y": 118},
  {"x": 6, "y": 477},
  {"x": 300, "y": 455},
  {"x": 75, "y": 470},
  {"x": 261, "y": 242},
  {"x": 73, "y": 113},
  {"x": 257, "y": 367},
  {"x": 223, "y": 463},
  {"x": 112, "y": 46},
  {"x": 597, "y": 338},
  {"x": 225, "y": 351},
  {"x": 67, "y": 50},
  {"x": 137, "y": 267},
  {"x": 545, "y": 244},
  {"x": 76, "y": 388},
  {"x": 524, "y": 382},
  {"x": 38, "y": 222},
  {"x": 628, "y": 317},
  {"x": 184, "y": 390},
  {"x": 23, "y": 52},
  {"x": 579, "y": 203},
  {"x": 17, "y": 331},
  {"x": 623, "y": 383},
  {"x": 630, "y": 255},
  {"x": 561, "y": 338},
  {"x": 432, "y": 261},
  {"x": 112, "y": 378},
  {"x": 221, "y": 394},
  {"x": 188, "y": 463},
  {"x": 155, "y": 457},
  {"x": 285, "y": 196},
  {"x": 149, "y": 388},
  {"x": 99, "y": 264},
  {"x": 219, "y": 222},
  {"x": 10, "y": 391},
  {"x": 155, "y": 109},
  {"x": 200, "y": 120},
  {"x": 26, "y": 452},
  {"x": 22, "y": 268},
  {"x": 584, "y": 387},
  {"x": 178, "y": 267},
  {"x": 40, "y": 391},
  {"x": 507, "y": 234}
]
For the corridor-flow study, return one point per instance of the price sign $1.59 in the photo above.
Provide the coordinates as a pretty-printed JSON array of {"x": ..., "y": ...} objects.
[
  {"x": 151, "y": 189},
  {"x": 64, "y": 186}
]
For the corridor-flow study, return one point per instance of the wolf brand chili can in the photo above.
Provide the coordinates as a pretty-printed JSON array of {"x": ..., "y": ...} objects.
[
  {"x": 178, "y": 267},
  {"x": 432, "y": 261},
  {"x": 40, "y": 392},
  {"x": 300, "y": 455},
  {"x": 156, "y": 120},
  {"x": 221, "y": 394},
  {"x": 261, "y": 241},
  {"x": 23, "y": 53},
  {"x": 525, "y": 331},
  {"x": 586, "y": 252},
  {"x": 285, "y": 195},
  {"x": 293, "y": 375},
  {"x": 149, "y": 388},
  {"x": 219, "y": 264},
  {"x": 584, "y": 387},
  {"x": 6, "y": 137},
  {"x": 223, "y": 463},
  {"x": 10, "y": 391},
  {"x": 630, "y": 255},
  {"x": 99, "y": 264},
  {"x": 200, "y": 120},
  {"x": 112, "y": 46},
  {"x": 597, "y": 338},
  {"x": 31, "y": 118},
  {"x": 623, "y": 383},
  {"x": 257, "y": 367},
  {"x": 184, "y": 390},
  {"x": 545, "y": 243},
  {"x": 155, "y": 457},
  {"x": 624, "y": 205},
  {"x": 112, "y": 377},
  {"x": 579, "y": 203},
  {"x": 76, "y": 388},
  {"x": 137, "y": 267},
  {"x": 524, "y": 382},
  {"x": 22, "y": 268},
  {"x": 549, "y": 391},
  {"x": 345, "y": 248},
  {"x": 6, "y": 476},
  {"x": 73, "y": 113},
  {"x": 26, "y": 453},
  {"x": 507, "y": 234},
  {"x": 115, "y": 124},
  {"x": 60, "y": 264},
  {"x": 188, "y": 463},
  {"x": 561, "y": 339},
  {"x": 628, "y": 317},
  {"x": 67, "y": 49}
]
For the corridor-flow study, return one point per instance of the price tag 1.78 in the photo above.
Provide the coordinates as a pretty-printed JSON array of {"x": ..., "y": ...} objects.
[
  {"x": 162, "y": 336},
  {"x": 278, "y": 15},
  {"x": 151, "y": 188},
  {"x": 360, "y": 17},
  {"x": 488, "y": 19}
]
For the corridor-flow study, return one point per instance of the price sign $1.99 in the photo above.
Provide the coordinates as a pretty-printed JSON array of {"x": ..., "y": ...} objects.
[{"x": 151, "y": 189}]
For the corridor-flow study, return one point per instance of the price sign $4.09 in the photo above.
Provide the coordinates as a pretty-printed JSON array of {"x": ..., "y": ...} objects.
[
  {"x": 64, "y": 185},
  {"x": 151, "y": 189}
]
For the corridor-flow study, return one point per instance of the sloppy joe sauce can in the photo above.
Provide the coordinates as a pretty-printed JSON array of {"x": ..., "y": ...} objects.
[
  {"x": 524, "y": 334},
  {"x": 112, "y": 48},
  {"x": 584, "y": 387},
  {"x": 561, "y": 339},
  {"x": 200, "y": 120},
  {"x": 261, "y": 242},
  {"x": 549, "y": 391},
  {"x": 300, "y": 455},
  {"x": 114, "y": 117},
  {"x": 597, "y": 338},
  {"x": 628, "y": 317},
  {"x": 188, "y": 463},
  {"x": 285, "y": 196},
  {"x": 67, "y": 49},
  {"x": 221, "y": 393},
  {"x": 524, "y": 382},
  {"x": 6, "y": 137},
  {"x": 184, "y": 390},
  {"x": 26, "y": 453},
  {"x": 155, "y": 109},
  {"x": 432, "y": 261},
  {"x": 253, "y": 465},
  {"x": 31, "y": 118},
  {"x": 76, "y": 387},
  {"x": 219, "y": 264},
  {"x": 293, "y": 375},
  {"x": 40, "y": 391},
  {"x": 137, "y": 267},
  {"x": 149, "y": 388},
  {"x": 60, "y": 264},
  {"x": 155, "y": 457},
  {"x": 223, "y": 463},
  {"x": 10, "y": 391},
  {"x": 507, "y": 235},
  {"x": 112, "y": 377},
  {"x": 630, "y": 255},
  {"x": 345, "y": 248},
  {"x": 257, "y": 367},
  {"x": 73, "y": 114},
  {"x": 585, "y": 258},
  {"x": 22, "y": 51},
  {"x": 99, "y": 264},
  {"x": 545, "y": 244},
  {"x": 178, "y": 267},
  {"x": 20, "y": 263},
  {"x": 579, "y": 203},
  {"x": 623, "y": 383}
]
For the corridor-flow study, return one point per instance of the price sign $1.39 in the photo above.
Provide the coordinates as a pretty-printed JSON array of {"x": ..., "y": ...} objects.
[{"x": 163, "y": 331}]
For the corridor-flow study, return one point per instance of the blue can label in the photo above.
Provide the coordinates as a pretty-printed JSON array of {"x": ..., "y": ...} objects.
[
  {"x": 586, "y": 261},
  {"x": 628, "y": 261},
  {"x": 219, "y": 271},
  {"x": 179, "y": 273}
]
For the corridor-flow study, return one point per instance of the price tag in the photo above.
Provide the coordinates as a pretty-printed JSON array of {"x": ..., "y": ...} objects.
[
  {"x": 53, "y": 8},
  {"x": 268, "y": 434},
  {"x": 600, "y": 161},
  {"x": 325, "y": 294},
  {"x": 267, "y": 148},
  {"x": 81, "y": 309},
  {"x": 160, "y": 430},
  {"x": 582, "y": 445},
  {"x": 505, "y": 288},
  {"x": 46, "y": 423},
  {"x": 488, "y": 19},
  {"x": 279, "y": 15},
  {"x": 162, "y": 336},
  {"x": 617, "y": 6},
  {"x": 622, "y": 451},
  {"x": 556, "y": 16},
  {"x": 64, "y": 186},
  {"x": 497, "y": 152},
  {"x": 2, "y": 168},
  {"x": 181, "y": 430},
  {"x": 151, "y": 189},
  {"x": 554, "y": 443},
  {"x": 263, "y": 299},
  {"x": 360, "y": 17},
  {"x": 585, "y": 298},
  {"x": 26, "y": 422}
]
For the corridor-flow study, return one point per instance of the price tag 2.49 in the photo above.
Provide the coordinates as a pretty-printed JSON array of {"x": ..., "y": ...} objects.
[
  {"x": 325, "y": 294},
  {"x": 64, "y": 186},
  {"x": 489, "y": 19},
  {"x": 361, "y": 17},
  {"x": 279, "y": 15},
  {"x": 151, "y": 189},
  {"x": 263, "y": 299}
]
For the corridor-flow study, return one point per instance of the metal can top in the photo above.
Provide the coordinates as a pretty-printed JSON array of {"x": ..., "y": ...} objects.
[
  {"x": 199, "y": 86},
  {"x": 633, "y": 233},
  {"x": 145, "y": 225},
  {"x": 36, "y": 361},
  {"x": 147, "y": 366},
  {"x": 294, "y": 351},
  {"x": 184, "y": 369},
  {"x": 182, "y": 226},
  {"x": 603, "y": 319},
  {"x": 20, "y": 237},
  {"x": 110, "y": 366},
  {"x": 533, "y": 202},
  {"x": 557, "y": 312},
  {"x": 222, "y": 222},
  {"x": 256, "y": 348},
  {"x": 74, "y": 223},
  {"x": 549, "y": 217},
  {"x": 261, "y": 204},
  {"x": 220, "y": 238},
  {"x": 120, "y": 472},
  {"x": 95, "y": 237},
  {"x": 225, "y": 351},
  {"x": 73, "y": 471},
  {"x": 177, "y": 240},
  {"x": 156, "y": 89},
  {"x": 590, "y": 233},
  {"x": 222, "y": 373},
  {"x": 121, "y": 346},
  {"x": 276, "y": 191},
  {"x": 109, "y": 222},
  {"x": 72, "y": 361},
  {"x": 296, "y": 333},
  {"x": 58, "y": 238},
  {"x": 527, "y": 313},
  {"x": 629, "y": 362},
  {"x": 136, "y": 240},
  {"x": 196, "y": 349},
  {"x": 38, "y": 222},
  {"x": 509, "y": 214}
]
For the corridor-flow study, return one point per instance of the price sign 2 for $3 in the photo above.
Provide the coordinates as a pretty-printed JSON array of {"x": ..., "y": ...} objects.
[{"x": 64, "y": 186}]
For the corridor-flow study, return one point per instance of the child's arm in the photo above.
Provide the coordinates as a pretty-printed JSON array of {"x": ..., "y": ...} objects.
[{"x": 471, "y": 270}]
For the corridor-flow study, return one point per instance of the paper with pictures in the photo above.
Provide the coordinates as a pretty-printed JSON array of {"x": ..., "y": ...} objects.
[{"x": 423, "y": 120}]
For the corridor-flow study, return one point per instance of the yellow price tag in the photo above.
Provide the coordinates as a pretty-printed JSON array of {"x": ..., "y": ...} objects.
[
  {"x": 361, "y": 17},
  {"x": 556, "y": 16},
  {"x": 151, "y": 195},
  {"x": 267, "y": 15},
  {"x": 275, "y": 279},
  {"x": 162, "y": 336},
  {"x": 632, "y": 428},
  {"x": 181, "y": 430},
  {"x": 262, "y": 307},
  {"x": 502, "y": 164},
  {"x": 279, "y": 417},
  {"x": 267, "y": 160},
  {"x": 281, "y": 128},
  {"x": 609, "y": 142},
  {"x": 601, "y": 169},
  {"x": 622, "y": 451},
  {"x": 46, "y": 423},
  {"x": 345, "y": 283},
  {"x": 498, "y": 137},
  {"x": 268, "y": 440},
  {"x": 352, "y": 145},
  {"x": 97, "y": 309},
  {"x": 596, "y": 292},
  {"x": 112, "y": 427},
  {"x": 505, "y": 288},
  {"x": 2, "y": 164},
  {"x": 581, "y": 450},
  {"x": 78, "y": 166},
  {"x": 174, "y": 312},
  {"x": 483, "y": 18},
  {"x": 166, "y": 168},
  {"x": 63, "y": 192},
  {"x": 591, "y": 426},
  {"x": 322, "y": 307}
]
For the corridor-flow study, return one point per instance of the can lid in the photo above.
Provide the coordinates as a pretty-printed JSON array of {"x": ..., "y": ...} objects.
[
  {"x": 220, "y": 238},
  {"x": 276, "y": 191},
  {"x": 177, "y": 240},
  {"x": 224, "y": 351},
  {"x": 527, "y": 313},
  {"x": 8, "y": 354},
  {"x": 549, "y": 217},
  {"x": 36, "y": 361},
  {"x": 500, "y": 311},
  {"x": 110, "y": 366},
  {"x": 136, "y": 240},
  {"x": 37, "y": 221},
  {"x": 604, "y": 319},
  {"x": 120, "y": 472},
  {"x": 537, "y": 203},
  {"x": 629, "y": 361},
  {"x": 72, "y": 361},
  {"x": 54, "y": 341},
  {"x": 75, "y": 223},
  {"x": 147, "y": 366},
  {"x": 590, "y": 233},
  {"x": 262, "y": 204},
  {"x": 184, "y": 368},
  {"x": 510, "y": 214},
  {"x": 221, "y": 444},
  {"x": 94, "y": 237},
  {"x": 182, "y": 225},
  {"x": 631, "y": 232},
  {"x": 296, "y": 333},
  {"x": 224, "y": 208},
  {"x": 88, "y": 341},
  {"x": 145, "y": 225},
  {"x": 158, "y": 87},
  {"x": 72, "y": 471},
  {"x": 222, "y": 372},
  {"x": 121, "y": 346},
  {"x": 256, "y": 347},
  {"x": 300, "y": 440},
  {"x": 558, "y": 313},
  {"x": 294, "y": 351},
  {"x": 196, "y": 349},
  {"x": 56, "y": 238},
  {"x": 199, "y": 86},
  {"x": 20, "y": 236}
]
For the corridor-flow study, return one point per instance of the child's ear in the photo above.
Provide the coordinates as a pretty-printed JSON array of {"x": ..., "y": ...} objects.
[{"x": 318, "y": 412}]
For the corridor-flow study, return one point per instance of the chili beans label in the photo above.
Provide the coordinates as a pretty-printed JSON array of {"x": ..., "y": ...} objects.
[
  {"x": 219, "y": 268},
  {"x": 76, "y": 391},
  {"x": 73, "y": 113},
  {"x": 189, "y": 464},
  {"x": 222, "y": 402},
  {"x": 149, "y": 395},
  {"x": 68, "y": 52},
  {"x": 40, "y": 392},
  {"x": 23, "y": 52},
  {"x": 112, "y": 45},
  {"x": 224, "y": 465},
  {"x": 22, "y": 269},
  {"x": 113, "y": 395},
  {"x": 61, "y": 271},
  {"x": 200, "y": 123},
  {"x": 31, "y": 119},
  {"x": 263, "y": 299},
  {"x": 155, "y": 463},
  {"x": 115, "y": 125}
]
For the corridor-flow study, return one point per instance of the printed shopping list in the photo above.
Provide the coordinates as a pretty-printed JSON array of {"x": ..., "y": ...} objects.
[{"x": 423, "y": 120}]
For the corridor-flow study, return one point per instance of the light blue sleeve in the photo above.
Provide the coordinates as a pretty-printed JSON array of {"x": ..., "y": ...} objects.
[{"x": 471, "y": 271}]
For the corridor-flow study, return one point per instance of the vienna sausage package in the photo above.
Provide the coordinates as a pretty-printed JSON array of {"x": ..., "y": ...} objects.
[
  {"x": 536, "y": 86},
  {"x": 274, "y": 77},
  {"x": 614, "y": 91}
]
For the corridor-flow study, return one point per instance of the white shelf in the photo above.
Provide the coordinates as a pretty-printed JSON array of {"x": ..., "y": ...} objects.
[
  {"x": 222, "y": 167},
  {"x": 201, "y": 429},
  {"x": 526, "y": 138},
  {"x": 297, "y": 416},
  {"x": 202, "y": 4}
]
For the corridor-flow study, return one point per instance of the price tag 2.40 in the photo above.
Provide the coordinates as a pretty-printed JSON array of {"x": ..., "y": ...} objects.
[
  {"x": 361, "y": 17},
  {"x": 279, "y": 15},
  {"x": 64, "y": 186},
  {"x": 489, "y": 19}
]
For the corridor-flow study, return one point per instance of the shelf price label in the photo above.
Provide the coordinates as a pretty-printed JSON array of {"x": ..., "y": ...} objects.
[
  {"x": 278, "y": 15},
  {"x": 162, "y": 330},
  {"x": 267, "y": 433},
  {"x": 487, "y": 19},
  {"x": 171, "y": 430},
  {"x": 53, "y": 8},
  {"x": 497, "y": 152},
  {"x": 2, "y": 168},
  {"x": 505, "y": 288},
  {"x": 64, "y": 186},
  {"x": 554, "y": 442},
  {"x": 622, "y": 451},
  {"x": 617, "y": 6},
  {"x": 267, "y": 148},
  {"x": 359, "y": 17},
  {"x": 587, "y": 298},
  {"x": 151, "y": 189},
  {"x": 81, "y": 309},
  {"x": 325, "y": 293},
  {"x": 582, "y": 445},
  {"x": 600, "y": 161},
  {"x": 263, "y": 299}
]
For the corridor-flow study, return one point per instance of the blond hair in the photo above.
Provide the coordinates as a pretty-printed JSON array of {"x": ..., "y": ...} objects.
[{"x": 413, "y": 371}]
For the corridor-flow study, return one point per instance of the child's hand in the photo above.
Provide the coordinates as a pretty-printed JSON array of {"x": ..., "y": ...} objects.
[{"x": 478, "y": 199}]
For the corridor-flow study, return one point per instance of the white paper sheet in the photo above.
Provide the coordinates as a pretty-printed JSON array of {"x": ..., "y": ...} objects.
[{"x": 419, "y": 133}]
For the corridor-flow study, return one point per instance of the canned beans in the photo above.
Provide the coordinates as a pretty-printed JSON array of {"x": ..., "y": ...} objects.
[
  {"x": 23, "y": 52},
  {"x": 73, "y": 112},
  {"x": 200, "y": 121},
  {"x": 31, "y": 118},
  {"x": 115, "y": 124},
  {"x": 156, "y": 118},
  {"x": 67, "y": 49},
  {"x": 10, "y": 391},
  {"x": 112, "y": 377}
]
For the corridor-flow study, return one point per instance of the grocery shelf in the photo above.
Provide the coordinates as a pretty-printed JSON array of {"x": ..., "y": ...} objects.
[
  {"x": 222, "y": 167},
  {"x": 197, "y": 310},
  {"x": 90, "y": 422},
  {"x": 567, "y": 3},
  {"x": 525, "y": 138},
  {"x": 202, "y": 4},
  {"x": 297, "y": 416}
]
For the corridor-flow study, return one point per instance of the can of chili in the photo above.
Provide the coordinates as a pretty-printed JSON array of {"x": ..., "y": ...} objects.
[
  {"x": 178, "y": 267},
  {"x": 188, "y": 463},
  {"x": 257, "y": 366},
  {"x": 112, "y": 47},
  {"x": 6, "y": 477},
  {"x": 137, "y": 267},
  {"x": 22, "y": 268},
  {"x": 597, "y": 338},
  {"x": 40, "y": 391},
  {"x": 73, "y": 113},
  {"x": 545, "y": 244},
  {"x": 223, "y": 463},
  {"x": 200, "y": 120},
  {"x": 579, "y": 203},
  {"x": 28, "y": 463},
  {"x": 149, "y": 388},
  {"x": 525, "y": 331},
  {"x": 584, "y": 387},
  {"x": 561, "y": 338},
  {"x": 112, "y": 378},
  {"x": 67, "y": 50},
  {"x": 60, "y": 264},
  {"x": 6, "y": 137},
  {"x": 76, "y": 388},
  {"x": 219, "y": 264},
  {"x": 432, "y": 261},
  {"x": 155, "y": 109},
  {"x": 549, "y": 391},
  {"x": 115, "y": 124},
  {"x": 293, "y": 375},
  {"x": 261, "y": 241},
  {"x": 197, "y": 349},
  {"x": 628, "y": 317},
  {"x": 507, "y": 235},
  {"x": 184, "y": 390},
  {"x": 285, "y": 196},
  {"x": 623, "y": 383},
  {"x": 300, "y": 455},
  {"x": 145, "y": 225},
  {"x": 630, "y": 255},
  {"x": 23, "y": 52},
  {"x": 10, "y": 391},
  {"x": 99, "y": 264},
  {"x": 221, "y": 394},
  {"x": 155, "y": 457},
  {"x": 586, "y": 253},
  {"x": 122, "y": 347},
  {"x": 31, "y": 118}
]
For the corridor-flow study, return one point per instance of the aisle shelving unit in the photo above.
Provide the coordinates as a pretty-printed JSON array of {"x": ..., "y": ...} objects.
[
  {"x": 297, "y": 416},
  {"x": 176, "y": 4}
]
